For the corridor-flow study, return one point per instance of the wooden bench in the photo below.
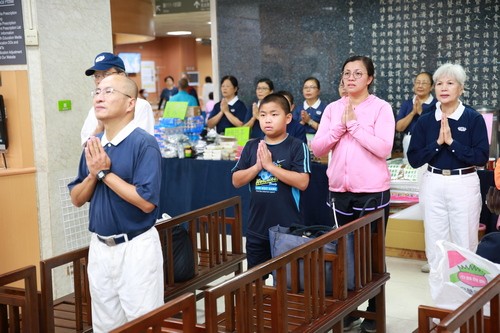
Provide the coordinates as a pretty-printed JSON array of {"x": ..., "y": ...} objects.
[
  {"x": 249, "y": 305},
  {"x": 154, "y": 321},
  {"x": 19, "y": 306},
  {"x": 209, "y": 229},
  {"x": 469, "y": 317},
  {"x": 70, "y": 313},
  {"x": 245, "y": 304}
]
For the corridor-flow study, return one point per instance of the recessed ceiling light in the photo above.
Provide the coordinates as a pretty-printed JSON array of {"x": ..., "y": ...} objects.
[
  {"x": 178, "y": 33},
  {"x": 209, "y": 22},
  {"x": 198, "y": 39}
]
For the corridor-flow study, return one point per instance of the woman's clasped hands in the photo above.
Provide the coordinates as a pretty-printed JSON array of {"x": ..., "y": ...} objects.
[
  {"x": 349, "y": 113},
  {"x": 444, "y": 132}
]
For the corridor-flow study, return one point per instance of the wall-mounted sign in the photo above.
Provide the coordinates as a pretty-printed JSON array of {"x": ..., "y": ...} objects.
[
  {"x": 12, "y": 49},
  {"x": 180, "y": 6},
  {"x": 64, "y": 105},
  {"x": 148, "y": 75}
]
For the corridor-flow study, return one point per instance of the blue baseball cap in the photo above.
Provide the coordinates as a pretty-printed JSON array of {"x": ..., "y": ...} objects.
[{"x": 104, "y": 61}]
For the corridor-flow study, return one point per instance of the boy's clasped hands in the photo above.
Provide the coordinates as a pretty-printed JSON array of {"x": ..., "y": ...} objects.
[{"x": 264, "y": 157}]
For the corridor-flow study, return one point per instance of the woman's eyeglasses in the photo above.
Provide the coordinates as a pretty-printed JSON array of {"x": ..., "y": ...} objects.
[{"x": 355, "y": 74}]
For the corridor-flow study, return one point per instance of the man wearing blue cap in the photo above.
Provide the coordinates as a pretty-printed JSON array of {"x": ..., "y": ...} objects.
[
  {"x": 106, "y": 64},
  {"x": 119, "y": 175}
]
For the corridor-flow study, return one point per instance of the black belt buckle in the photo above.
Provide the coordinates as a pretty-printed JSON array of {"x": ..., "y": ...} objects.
[{"x": 111, "y": 241}]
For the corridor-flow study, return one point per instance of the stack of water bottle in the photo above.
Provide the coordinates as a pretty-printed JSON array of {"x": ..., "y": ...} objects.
[{"x": 175, "y": 135}]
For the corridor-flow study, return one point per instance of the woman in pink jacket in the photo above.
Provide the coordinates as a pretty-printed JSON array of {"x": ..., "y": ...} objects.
[{"x": 358, "y": 130}]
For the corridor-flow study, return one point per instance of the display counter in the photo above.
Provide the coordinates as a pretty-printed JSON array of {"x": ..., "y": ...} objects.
[{"x": 189, "y": 184}]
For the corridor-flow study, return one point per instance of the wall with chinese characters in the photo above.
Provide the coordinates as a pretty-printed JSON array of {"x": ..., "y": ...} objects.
[{"x": 289, "y": 40}]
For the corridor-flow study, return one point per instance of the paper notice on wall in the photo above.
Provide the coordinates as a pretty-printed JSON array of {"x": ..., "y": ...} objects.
[{"x": 148, "y": 76}]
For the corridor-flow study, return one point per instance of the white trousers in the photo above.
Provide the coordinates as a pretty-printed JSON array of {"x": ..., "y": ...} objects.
[
  {"x": 451, "y": 209},
  {"x": 406, "y": 144},
  {"x": 126, "y": 280}
]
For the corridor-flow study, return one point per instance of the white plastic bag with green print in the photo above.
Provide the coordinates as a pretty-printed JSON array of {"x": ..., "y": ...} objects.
[{"x": 460, "y": 274}]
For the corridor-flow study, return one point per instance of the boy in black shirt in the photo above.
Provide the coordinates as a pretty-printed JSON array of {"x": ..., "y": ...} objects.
[{"x": 276, "y": 170}]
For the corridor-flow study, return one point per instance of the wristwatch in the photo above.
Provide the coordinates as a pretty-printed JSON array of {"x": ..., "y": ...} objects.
[{"x": 101, "y": 174}]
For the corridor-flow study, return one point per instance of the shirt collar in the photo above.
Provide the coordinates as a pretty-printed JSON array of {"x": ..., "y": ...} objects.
[
  {"x": 314, "y": 106},
  {"x": 234, "y": 100},
  {"x": 455, "y": 115},
  {"x": 122, "y": 135},
  {"x": 427, "y": 101}
]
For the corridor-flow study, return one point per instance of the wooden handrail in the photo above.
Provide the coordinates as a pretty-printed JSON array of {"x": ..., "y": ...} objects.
[
  {"x": 27, "y": 301},
  {"x": 243, "y": 293},
  {"x": 155, "y": 320},
  {"x": 208, "y": 228},
  {"x": 469, "y": 316},
  {"x": 78, "y": 258}
]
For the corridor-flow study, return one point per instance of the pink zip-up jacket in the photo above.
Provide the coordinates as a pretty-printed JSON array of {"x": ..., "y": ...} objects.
[{"x": 359, "y": 148}]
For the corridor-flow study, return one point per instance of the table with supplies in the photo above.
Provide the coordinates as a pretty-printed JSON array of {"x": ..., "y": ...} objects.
[{"x": 189, "y": 184}]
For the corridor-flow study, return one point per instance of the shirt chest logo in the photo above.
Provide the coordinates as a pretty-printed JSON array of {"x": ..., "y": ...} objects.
[{"x": 462, "y": 129}]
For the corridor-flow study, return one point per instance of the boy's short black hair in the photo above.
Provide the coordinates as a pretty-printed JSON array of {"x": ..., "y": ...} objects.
[{"x": 278, "y": 99}]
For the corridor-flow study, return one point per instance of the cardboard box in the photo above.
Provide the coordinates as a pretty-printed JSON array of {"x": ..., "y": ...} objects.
[{"x": 405, "y": 234}]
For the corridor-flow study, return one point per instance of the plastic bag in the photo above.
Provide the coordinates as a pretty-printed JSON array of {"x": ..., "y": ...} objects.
[
  {"x": 459, "y": 275},
  {"x": 282, "y": 239}
]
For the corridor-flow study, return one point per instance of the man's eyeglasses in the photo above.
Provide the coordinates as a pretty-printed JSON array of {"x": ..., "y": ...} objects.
[
  {"x": 356, "y": 74},
  {"x": 309, "y": 87},
  {"x": 107, "y": 91},
  {"x": 262, "y": 89},
  {"x": 422, "y": 83},
  {"x": 101, "y": 76}
]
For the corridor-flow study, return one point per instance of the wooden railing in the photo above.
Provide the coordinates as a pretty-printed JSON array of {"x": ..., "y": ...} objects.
[
  {"x": 250, "y": 305},
  {"x": 71, "y": 312},
  {"x": 19, "y": 310},
  {"x": 183, "y": 307},
  {"x": 245, "y": 304},
  {"x": 469, "y": 317},
  {"x": 209, "y": 229}
]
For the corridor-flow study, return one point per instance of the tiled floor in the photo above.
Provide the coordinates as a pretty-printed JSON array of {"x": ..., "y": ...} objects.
[{"x": 405, "y": 291}]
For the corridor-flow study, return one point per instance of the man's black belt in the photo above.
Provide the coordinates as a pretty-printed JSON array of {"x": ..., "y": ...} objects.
[
  {"x": 126, "y": 237},
  {"x": 451, "y": 172}
]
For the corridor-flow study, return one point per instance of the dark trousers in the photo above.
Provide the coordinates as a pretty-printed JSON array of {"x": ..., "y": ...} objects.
[{"x": 348, "y": 207}]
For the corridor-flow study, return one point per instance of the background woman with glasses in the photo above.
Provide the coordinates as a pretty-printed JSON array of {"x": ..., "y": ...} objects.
[
  {"x": 310, "y": 111},
  {"x": 411, "y": 109},
  {"x": 358, "y": 130},
  {"x": 264, "y": 87},
  {"x": 230, "y": 111}
]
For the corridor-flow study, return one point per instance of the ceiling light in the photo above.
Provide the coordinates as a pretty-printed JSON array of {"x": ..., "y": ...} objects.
[
  {"x": 198, "y": 39},
  {"x": 209, "y": 22},
  {"x": 178, "y": 33}
]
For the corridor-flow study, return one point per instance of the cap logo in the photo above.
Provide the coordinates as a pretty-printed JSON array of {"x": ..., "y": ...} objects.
[{"x": 99, "y": 58}]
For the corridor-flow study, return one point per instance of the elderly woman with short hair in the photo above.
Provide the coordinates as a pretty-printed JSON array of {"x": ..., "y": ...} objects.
[{"x": 453, "y": 141}]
